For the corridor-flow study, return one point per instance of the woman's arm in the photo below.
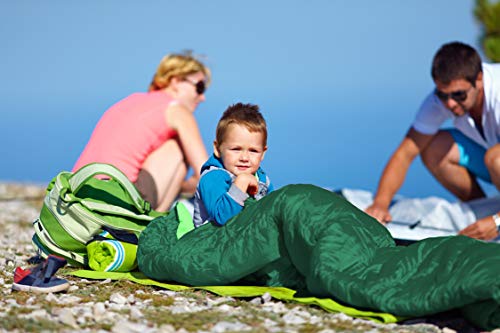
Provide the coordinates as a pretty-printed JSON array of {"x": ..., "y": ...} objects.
[{"x": 183, "y": 121}]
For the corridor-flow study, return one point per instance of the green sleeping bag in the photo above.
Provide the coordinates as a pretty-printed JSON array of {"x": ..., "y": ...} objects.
[{"x": 312, "y": 240}]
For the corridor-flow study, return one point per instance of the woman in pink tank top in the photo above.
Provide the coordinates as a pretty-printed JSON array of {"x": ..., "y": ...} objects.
[{"x": 153, "y": 137}]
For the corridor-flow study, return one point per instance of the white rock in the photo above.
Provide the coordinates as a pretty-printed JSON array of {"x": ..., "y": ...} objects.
[
  {"x": 218, "y": 300},
  {"x": 117, "y": 298},
  {"x": 117, "y": 307},
  {"x": 449, "y": 330},
  {"x": 180, "y": 309},
  {"x": 99, "y": 311},
  {"x": 66, "y": 317},
  {"x": 69, "y": 299},
  {"x": 73, "y": 288},
  {"x": 11, "y": 302},
  {"x": 269, "y": 323},
  {"x": 277, "y": 329},
  {"x": 225, "y": 308},
  {"x": 224, "y": 326},
  {"x": 51, "y": 298},
  {"x": 166, "y": 328},
  {"x": 169, "y": 293},
  {"x": 105, "y": 281},
  {"x": 135, "y": 313},
  {"x": 342, "y": 317},
  {"x": 81, "y": 320},
  {"x": 293, "y": 319},
  {"x": 112, "y": 317},
  {"x": 86, "y": 311},
  {"x": 266, "y": 297},
  {"x": 41, "y": 313},
  {"x": 124, "y": 326},
  {"x": 275, "y": 307},
  {"x": 256, "y": 301},
  {"x": 373, "y": 330}
]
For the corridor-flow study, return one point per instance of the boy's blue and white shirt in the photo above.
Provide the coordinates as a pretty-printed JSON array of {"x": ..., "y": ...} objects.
[{"x": 217, "y": 199}]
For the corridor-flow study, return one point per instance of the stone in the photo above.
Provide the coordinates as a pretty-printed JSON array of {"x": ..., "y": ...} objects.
[
  {"x": 266, "y": 297},
  {"x": 293, "y": 319},
  {"x": 51, "y": 298},
  {"x": 69, "y": 299},
  {"x": 118, "y": 299},
  {"x": 77, "y": 309},
  {"x": 225, "y": 326},
  {"x": 124, "y": 326},
  {"x": 66, "y": 317},
  {"x": 99, "y": 310},
  {"x": 73, "y": 288},
  {"x": 256, "y": 301},
  {"x": 225, "y": 308},
  {"x": 135, "y": 314},
  {"x": 166, "y": 328}
]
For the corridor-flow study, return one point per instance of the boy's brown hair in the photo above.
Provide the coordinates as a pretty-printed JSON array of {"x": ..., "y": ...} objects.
[{"x": 247, "y": 115}]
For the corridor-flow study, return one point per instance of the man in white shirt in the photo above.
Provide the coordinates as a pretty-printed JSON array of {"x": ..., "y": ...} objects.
[{"x": 468, "y": 91}]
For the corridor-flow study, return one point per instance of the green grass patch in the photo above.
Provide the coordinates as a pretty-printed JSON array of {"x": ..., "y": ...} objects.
[{"x": 13, "y": 322}]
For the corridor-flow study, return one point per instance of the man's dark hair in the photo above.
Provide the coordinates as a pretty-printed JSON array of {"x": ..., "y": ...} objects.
[{"x": 454, "y": 61}]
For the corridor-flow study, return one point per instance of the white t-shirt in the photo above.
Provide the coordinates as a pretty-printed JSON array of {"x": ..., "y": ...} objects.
[{"x": 433, "y": 113}]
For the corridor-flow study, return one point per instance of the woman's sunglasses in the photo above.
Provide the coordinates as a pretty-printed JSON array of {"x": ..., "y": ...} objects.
[
  {"x": 200, "y": 86},
  {"x": 458, "y": 96}
]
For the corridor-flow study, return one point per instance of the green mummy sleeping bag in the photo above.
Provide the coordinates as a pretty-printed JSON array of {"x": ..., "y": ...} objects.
[{"x": 312, "y": 240}]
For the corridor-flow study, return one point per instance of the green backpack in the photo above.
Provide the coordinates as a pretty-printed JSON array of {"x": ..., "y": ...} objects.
[{"x": 82, "y": 214}]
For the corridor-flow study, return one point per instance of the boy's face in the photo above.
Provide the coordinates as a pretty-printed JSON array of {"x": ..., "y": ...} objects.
[{"x": 241, "y": 151}]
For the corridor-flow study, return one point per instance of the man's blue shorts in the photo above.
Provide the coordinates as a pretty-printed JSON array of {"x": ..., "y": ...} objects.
[{"x": 471, "y": 155}]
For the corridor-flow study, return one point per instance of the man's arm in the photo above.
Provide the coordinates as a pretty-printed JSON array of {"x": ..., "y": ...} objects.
[
  {"x": 395, "y": 172},
  {"x": 485, "y": 229}
]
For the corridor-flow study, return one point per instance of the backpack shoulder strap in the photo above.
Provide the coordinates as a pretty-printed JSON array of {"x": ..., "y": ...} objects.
[{"x": 79, "y": 178}]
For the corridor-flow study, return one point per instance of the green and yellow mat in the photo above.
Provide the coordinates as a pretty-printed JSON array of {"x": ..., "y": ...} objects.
[{"x": 280, "y": 293}]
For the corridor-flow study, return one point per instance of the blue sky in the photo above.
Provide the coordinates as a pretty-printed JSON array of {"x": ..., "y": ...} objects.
[{"x": 338, "y": 81}]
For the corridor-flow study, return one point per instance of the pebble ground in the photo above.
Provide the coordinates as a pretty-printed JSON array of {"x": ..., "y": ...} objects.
[{"x": 111, "y": 306}]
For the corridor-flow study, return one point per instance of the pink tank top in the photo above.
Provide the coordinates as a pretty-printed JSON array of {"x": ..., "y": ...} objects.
[{"x": 128, "y": 132}]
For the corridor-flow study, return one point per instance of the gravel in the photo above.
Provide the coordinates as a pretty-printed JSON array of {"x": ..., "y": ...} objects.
[{"x": 110, "y": 306}]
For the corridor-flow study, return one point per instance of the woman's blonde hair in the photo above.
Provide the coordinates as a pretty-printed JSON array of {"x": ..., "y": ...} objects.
[{"x": 177, "y": 65}]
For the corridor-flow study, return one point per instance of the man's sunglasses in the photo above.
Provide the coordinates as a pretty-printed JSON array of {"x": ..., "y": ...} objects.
[
  {"x": 458, "y": 96},
  {"x": 200, "y": 86}
]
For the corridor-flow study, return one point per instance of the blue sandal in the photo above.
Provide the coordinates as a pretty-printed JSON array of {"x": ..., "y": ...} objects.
[{"x": 41, "y": 279}]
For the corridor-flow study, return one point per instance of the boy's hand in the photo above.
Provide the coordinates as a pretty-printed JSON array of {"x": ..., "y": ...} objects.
[{"x": 247, "y": 183}]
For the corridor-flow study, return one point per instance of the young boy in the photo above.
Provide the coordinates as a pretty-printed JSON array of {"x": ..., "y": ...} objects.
[{"x": 233, "y": 174}]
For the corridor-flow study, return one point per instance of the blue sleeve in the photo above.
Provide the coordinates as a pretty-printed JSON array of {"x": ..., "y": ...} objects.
[
  {"x": 270, "y": 188},
  {"x": 221, "y": 198}
]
